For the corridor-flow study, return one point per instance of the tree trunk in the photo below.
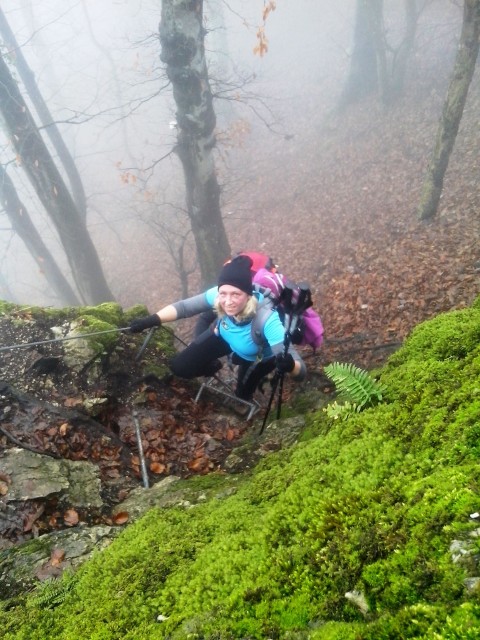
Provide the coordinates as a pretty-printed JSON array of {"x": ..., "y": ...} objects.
[
  {"x": 22, "y": 224},
  {"x": 362, "y": 77},
  {"x": 28, "y": 78},
  {"x": 5, "y": 292},
  {"x": 182, "y": 42},
  {"x": 375, "y": 65},
  {"x": 402, "y": 55},
  {"x": 377, "y": 29},
  {"x": 463, "y": 70},
  {"x": 51, "y": 190}
]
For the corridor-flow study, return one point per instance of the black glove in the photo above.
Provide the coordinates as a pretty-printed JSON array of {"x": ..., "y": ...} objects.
[
  {"x": 145, "y": 323},
  {"x": 284, "y": 363}
]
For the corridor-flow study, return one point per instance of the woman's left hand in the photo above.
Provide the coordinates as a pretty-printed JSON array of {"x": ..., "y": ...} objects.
[{"x": 284, "y": 363}]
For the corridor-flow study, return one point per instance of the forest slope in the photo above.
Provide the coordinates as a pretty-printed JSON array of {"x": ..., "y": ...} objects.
[{"x": 334, "y": 201}]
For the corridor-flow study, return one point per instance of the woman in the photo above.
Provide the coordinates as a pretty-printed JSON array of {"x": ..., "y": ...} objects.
[{"x": 235, "y": 304}]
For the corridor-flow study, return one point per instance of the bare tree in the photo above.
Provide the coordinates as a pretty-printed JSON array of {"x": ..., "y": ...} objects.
[
  {"x": 362, "y": 76},
  {"x": 375, "y": 64},
  {"x": 28, "y": 78},
  {"x": 176, "y": 238},
  {"x": 51, "y": 190},
  {"x": 23, "y": 225},
  {"x": 464, "y": 67},
  {"x": 183, "y": 51},
  {"x": 403, "y": 52}
]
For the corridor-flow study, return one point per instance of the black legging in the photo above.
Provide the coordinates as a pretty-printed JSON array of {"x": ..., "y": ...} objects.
[
  {"x": 250, "y": 374},
  {"x": 199, "y": 359}
]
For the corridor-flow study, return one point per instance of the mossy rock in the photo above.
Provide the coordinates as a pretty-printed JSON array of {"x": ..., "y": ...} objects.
[
  {"x": 109, "y": 312},
  {"x": 137, "y": 311},
  {"x": 155, "y": 369},
  {"x": 26, "y": 312},
  {"x": 164, "y": 340},
  {"x": 7, "y": 307},
  {"x": 90, "y": 324}
]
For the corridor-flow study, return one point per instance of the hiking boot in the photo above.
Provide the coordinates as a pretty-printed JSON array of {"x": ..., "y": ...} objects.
[{"x": 239, "y": 393}]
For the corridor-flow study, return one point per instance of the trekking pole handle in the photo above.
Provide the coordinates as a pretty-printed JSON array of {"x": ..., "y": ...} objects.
[{"x": 304, "y": 297}]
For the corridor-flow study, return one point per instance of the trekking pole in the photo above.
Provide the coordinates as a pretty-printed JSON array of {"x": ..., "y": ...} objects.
[
  {"x": 145, "y": 344},
  {"x": 293, "y": 311},
  {"x": 143, "y": 465},
  {"x": 275, "y": 381}
]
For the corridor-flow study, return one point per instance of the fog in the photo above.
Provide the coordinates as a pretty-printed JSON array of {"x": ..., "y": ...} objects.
[{"x": 97, "y": 65}]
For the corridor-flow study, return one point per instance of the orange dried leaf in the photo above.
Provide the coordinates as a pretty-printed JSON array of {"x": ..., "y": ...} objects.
[
  {"x": 73, "y": 402},
  {"x": 121, "y": 517},
  {"x": 63, "y": 429},
  {"x": 157, "y": 467},
  {"x": 57, "y": 557},
  {"x": 70, "y": 517},
  {"x": 230, "y": 434},
  {"x": 199, "y": 464}
]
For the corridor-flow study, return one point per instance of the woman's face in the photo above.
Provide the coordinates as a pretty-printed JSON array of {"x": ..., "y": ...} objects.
[{"x": 232, "y": 300}]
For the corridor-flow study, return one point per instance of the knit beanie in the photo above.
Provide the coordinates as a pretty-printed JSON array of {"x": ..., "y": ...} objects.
[{"x": 237, "y": 273}]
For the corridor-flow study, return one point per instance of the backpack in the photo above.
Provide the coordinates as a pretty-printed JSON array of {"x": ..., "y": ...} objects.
[{"x": 309, "y": 328}]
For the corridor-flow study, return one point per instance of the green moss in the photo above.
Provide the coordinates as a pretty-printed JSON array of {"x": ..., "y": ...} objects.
[
  {"x": 28, "y": 311},
  {"x": 137, "y": 311},
  {"x": 7, "y": 307},
  {"x": 449, "y": 336},
  {"x": 90, "y": 324},
  {"x": 371, "y": 504},
  {"x": 163, "y": 339},
  {"x": 23, "y": 558},
  {"x": 109, "y": 312}
]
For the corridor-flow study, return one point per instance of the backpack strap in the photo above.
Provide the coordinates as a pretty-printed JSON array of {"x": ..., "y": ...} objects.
[{"x": 265, "y": 309}]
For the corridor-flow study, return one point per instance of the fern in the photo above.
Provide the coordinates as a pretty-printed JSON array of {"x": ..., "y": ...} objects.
[
  {"x": 340, "y": 411},
  {"x": 53, "y": 591},
  {"x": 355, "y": 386}
]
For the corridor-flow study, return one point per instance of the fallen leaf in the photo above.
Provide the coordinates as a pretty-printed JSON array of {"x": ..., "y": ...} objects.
[
  {"x": 120, "y": 518},
  {"x": 57, "y": 557},
  {"x": 5, "y": 478},
  {"x": 112, "y": 473},
  {"x": 231, "y": 433},
  {"x": 199, "y": 464},
  {"x": 157, "y": 467},
  {"x": 70, "y": 517},
  {"x": 30, "y": 519},
  {"x": 63, "y": 429},
  {"x": 73, "y": 402}
]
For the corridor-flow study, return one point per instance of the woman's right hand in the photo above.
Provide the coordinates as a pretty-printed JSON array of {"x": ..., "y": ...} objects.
[{"x": 140, "y": 324}]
